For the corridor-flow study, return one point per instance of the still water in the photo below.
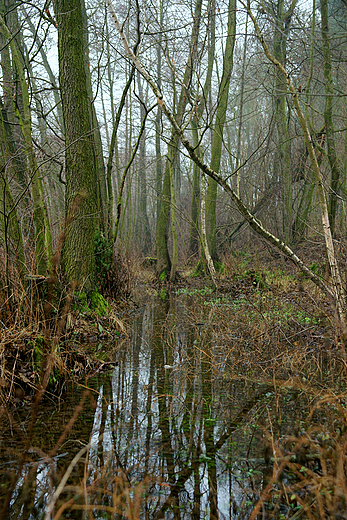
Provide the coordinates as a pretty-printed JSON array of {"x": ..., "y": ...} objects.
[{"x": 177, "y": 429}]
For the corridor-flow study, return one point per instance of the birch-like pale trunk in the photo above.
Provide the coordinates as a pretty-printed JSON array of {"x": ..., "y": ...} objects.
[{"x": 204, "y": 242}]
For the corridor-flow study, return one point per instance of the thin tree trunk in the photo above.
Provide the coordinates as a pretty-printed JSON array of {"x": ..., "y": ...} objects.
[
  {"x": 43, "y": 239},
  {"x": 283, "y": 154},
  {"x": 163, "y": 257},
  {"x": 217, "y": 138},
  {"x": 195, "y": 203},
  {"x": 143, "y": 232},
  {"x": 173, "y": 228},
  {"x": 239, "y": 131},
  {"x": 328, "y": 117},
  {"x": 125, "y": 174},
  {"x": 204, "y": 243}
]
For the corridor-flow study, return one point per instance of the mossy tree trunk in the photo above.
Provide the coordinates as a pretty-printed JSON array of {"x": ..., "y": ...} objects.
[
  {"x": 158, "y": 158},
  {"x": 11, "y": 239},
  {"x": 328, "y": 116},
  {"x": 163, "y": 257},
  {"x": 195, "y": 202},
  {"x": 21, "y": 108},
  {"x": 217, "y": 139},
  {"x": 95, "y": 127},
  {"x": 82, "y": 216}
]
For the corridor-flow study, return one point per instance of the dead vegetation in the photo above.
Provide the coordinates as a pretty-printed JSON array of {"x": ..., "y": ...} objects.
[{"x": 269, "y": 351}]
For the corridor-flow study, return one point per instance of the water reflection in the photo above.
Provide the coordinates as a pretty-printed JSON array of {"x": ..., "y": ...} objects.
[{"x": 167, "y": 434}]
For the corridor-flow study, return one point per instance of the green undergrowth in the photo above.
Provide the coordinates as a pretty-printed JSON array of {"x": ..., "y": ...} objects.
[
  {"x": 256, "y": 295},
  {"x": 263, "y": 307}
]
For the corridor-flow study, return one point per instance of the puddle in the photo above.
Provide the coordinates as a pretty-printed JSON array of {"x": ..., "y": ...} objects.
[{"x": 177, "y": 430}]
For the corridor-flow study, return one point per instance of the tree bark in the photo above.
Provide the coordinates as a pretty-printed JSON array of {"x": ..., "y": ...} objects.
[
  {"x": 43, "y": 239},
  {"x": 328, "y": 116},
  {"x": 217, "y": 139},
  {"x": 163, "y": 257},
  {"x": 81, "y": 176}
]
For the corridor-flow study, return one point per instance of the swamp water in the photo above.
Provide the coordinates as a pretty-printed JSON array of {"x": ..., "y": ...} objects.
[{"x": 183, "y": 426}]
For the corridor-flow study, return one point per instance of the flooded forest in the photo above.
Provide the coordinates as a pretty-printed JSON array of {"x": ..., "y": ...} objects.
[{"x": 173, "y": 259}]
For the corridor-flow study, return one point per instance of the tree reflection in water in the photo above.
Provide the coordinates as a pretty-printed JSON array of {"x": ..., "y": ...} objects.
[{"x": 169, "y": 433}]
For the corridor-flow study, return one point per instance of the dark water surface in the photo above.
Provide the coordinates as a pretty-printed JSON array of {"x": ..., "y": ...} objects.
[{"x": 175, "y": 430}]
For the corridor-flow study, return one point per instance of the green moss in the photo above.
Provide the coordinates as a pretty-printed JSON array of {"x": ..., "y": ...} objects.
[
  {"x": 81, "y": 302},
  {"x": 94, "y": 302},
  {"x": 98, "y": 304}
]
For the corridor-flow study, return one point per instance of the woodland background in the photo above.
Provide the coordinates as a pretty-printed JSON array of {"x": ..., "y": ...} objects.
[{"x": 90, "y": 163}]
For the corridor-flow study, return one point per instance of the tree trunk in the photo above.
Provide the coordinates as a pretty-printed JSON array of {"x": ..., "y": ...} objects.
[
  {"x": 11, "y": 240},
  {"x": 195, "y": 203},
  {"x": 81, "y": 177},
  {"x": 217, "y": 139},
  {"x": 283, "y": 155},
  {"x": 328, "y": 116},
  {"x": 163, "y": 257},
  {"x": 43, "y": 239},
  {"x": 143, "y": 232}
]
